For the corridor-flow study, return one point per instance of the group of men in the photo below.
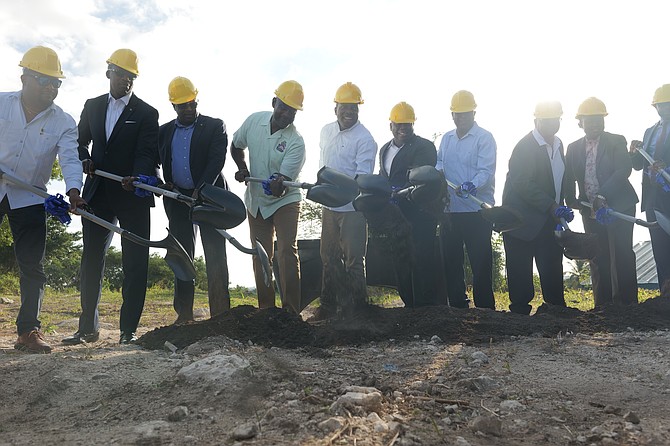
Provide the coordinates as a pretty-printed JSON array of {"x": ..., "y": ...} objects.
[{"x": 119, "y": 133}]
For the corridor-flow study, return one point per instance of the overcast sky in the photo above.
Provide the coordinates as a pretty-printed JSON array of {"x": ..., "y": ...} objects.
[{"x": 510, "y": 54}]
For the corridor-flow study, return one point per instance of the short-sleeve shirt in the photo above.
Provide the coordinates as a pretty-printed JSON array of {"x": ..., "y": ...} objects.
[{"x": 282, "y": 152}]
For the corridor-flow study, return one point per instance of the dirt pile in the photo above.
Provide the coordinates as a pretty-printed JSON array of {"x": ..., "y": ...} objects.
[{"x": 278, "y": 328}]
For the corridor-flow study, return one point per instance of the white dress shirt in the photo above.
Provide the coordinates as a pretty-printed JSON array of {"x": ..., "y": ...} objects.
[
  {"x": 557, "y": 164},
  {"x": 114, "y": 109},
  {"x": 28, "y": 150},
  {"x": 351, "y": 151}
]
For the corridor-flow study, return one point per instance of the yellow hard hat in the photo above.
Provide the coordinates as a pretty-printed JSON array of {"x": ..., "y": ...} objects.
[
  {"x": 126, "y": 59},
  {"x": 661, "y": 95},
  {"x": 548, "y": 110},
  {"x": 463, "y": 101},
  {"x": 591, "y": 107},
  {"x": 291, "y": 94},
  {"x": 181, "y": 90},
  {"x": 348, "y": 94},
  {"x": 402, "y": 113},
  {"x": 42, "y": 60}
]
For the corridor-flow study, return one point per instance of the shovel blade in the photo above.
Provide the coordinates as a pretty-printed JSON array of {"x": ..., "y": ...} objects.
[
  {"x": 502, "y": 218},
  {"x": 663, "y": 221},
  {"x": 214, "y": 216},
  {"x": 329, "y": 195},
  {"x": 265, "y": 263},
  {"x": 332, "y": 177},
  {"x": 373, "y": 184},
  {"x": 231, "y": 208},
  {"x": 178, "y": 259},
  {"x": 576, "y": 245},
  {"x": 371, "y": 202},
  {"x": 425, "y": 175}
]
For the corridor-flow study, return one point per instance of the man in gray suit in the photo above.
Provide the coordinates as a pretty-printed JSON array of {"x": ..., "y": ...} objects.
[{"x": 599, "y": 163}]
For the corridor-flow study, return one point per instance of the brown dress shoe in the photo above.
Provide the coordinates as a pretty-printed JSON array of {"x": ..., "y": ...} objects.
[{"x": 32, "y": 342}]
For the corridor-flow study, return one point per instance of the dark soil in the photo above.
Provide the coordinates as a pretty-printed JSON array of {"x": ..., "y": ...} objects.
[{"x": 279, "y": 328}]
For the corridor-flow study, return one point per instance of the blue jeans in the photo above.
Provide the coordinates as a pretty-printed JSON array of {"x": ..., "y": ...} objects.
[{"x": 29, "y": 231}]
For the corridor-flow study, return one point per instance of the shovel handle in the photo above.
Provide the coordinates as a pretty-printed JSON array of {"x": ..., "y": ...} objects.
[
  {"x": 650, "y": 160},
  {"x": 625, "y": 217},
  {"x": 480, "y": 202},
  {"x": 286, "y": 183},
  {"x": 154, "y": 189}
]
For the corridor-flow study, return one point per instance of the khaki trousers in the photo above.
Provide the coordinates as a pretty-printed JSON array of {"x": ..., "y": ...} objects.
[
  {"x": 284, "y": 222},
  {"x": 344, "y": 241}
]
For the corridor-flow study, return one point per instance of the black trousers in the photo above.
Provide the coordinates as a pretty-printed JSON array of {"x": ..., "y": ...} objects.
[
  {"x": 416, "y": 276},
  {"x": 548, "y": 256},
  {"x": 214, "y": 246},
  {"x": 135, "y": 261},
  {"x": 468, "y": 229},
  {"x": 613, "y": 270},
  {"x": 660, "y": 245},
  {"x": 29, "y": 231}
]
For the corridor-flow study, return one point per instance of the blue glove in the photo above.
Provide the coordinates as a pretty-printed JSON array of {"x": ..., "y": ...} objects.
[
  {"x": 266, "y": 184},
  {"x": 661, "y": 181},
  {"x": 58, "y": 207},
  {"x": 146, "y": 179},
  {"x": 468, "y": 188},
  {"x": 564, "y": 212},
  {"x": 604, "y": 216}
]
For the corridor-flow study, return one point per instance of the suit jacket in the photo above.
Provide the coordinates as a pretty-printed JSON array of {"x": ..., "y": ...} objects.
[
  {"x": 650, "y": 189},
  {"x": 416, "y": 152},
  {"x": 613, "y": 167},
  {"x": 132, "y": 148},
  {"x": 529, "y": 187},
  {"x": 207, "y": 155}
]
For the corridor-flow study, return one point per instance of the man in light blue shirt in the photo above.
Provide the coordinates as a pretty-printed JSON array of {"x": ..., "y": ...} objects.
[{"x": 467, "y": 156}]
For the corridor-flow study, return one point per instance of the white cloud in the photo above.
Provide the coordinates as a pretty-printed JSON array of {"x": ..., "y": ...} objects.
[{"x": 509, "y": 54}]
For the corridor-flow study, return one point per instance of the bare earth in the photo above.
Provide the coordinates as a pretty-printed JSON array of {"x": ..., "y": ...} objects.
[{"x": 391, "y": 376}]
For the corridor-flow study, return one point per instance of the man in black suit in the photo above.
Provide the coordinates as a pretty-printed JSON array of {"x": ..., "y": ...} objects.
[
  {"x": 534, "y": 188},
  {"x": 415, "y": 274},
  {"x": 655, "y": 196},
  {"x": 192, "y": 150},
  {"x": 124, "y": 132},
  {"x": 600, "y": 164}
]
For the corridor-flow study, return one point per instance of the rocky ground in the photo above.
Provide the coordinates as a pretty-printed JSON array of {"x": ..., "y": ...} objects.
[{"x": 391, "y": 376}]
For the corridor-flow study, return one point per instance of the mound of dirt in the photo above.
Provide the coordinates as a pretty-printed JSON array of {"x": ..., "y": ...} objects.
[{"x": 278, "y": 328}]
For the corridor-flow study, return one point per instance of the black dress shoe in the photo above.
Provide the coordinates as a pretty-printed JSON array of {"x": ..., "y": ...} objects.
[
  {"x": 128, "y": 337},
  {"x": 81, "y": 338}
]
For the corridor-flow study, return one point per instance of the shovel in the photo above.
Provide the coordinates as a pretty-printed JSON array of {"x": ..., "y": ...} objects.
[
  {"x": 661, "y": 219},
  {"x": 650, "y": 160},
  {"x": 176, "y": 256},
  {"x": 225, "y": 209},
  {"x": 576, "y": 245},
  {"x": 332, "y": 188},
  {"x": 502, "y": 218}
]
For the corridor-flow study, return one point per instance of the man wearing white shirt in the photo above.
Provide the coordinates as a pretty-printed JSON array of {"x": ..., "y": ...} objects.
[
  {"x": 33, "y": 132},
  {"x": 467, "y": 157},
  {"x": 346, "y": 146}
]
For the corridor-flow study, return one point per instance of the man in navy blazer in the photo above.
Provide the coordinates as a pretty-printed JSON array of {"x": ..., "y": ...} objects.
[
  {"x": 124, "y": 133},
  {"x": 192, "y": 150},
  {"x": 655, "y": 195},
  {"x": 599, "y": 163},
  {"x": 415, "y": 275},
  {"x": 534, "y": 188}
]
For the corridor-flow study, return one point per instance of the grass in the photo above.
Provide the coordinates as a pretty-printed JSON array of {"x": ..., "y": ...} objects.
[{"x": 62, "y": 306}]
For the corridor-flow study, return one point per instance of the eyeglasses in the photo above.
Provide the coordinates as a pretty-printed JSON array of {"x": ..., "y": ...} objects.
[
  {"x": 123, "y": 74},
  {"x": 186, "y": 106},
  {"x": 47, "y": 80}
]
